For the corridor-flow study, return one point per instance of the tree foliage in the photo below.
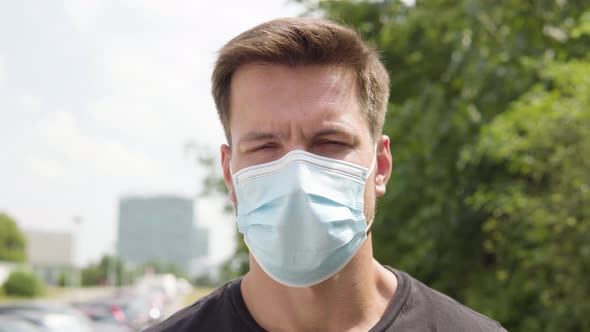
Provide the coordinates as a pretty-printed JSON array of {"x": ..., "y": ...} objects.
[
  {"x": 488, "y": 121},
  {"x": 12, "y": 240},
  {"x": 98, "y": 274},
  {"x": 538, "y": 204},
  {"x": 162, "y": 267},
  {"x": 26, "y": 284}
]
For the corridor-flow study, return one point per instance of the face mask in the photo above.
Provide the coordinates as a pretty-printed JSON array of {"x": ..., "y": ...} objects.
[{"x": 302, "y": 215}]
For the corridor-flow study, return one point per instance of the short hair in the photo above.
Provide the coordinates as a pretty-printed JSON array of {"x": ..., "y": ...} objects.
[{"x": 305, "y": 41}]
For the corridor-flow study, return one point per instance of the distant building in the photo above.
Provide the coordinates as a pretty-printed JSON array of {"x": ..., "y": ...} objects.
[
  {"x": 6, "y": 268},
  {"x": 50, "y": 254},
  {"x": 160, "y": 229}
]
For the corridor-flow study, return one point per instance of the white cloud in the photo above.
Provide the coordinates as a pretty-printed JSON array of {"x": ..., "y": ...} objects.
[
  {"x": 44, "y": 168},
  {"x": 3, "y": 74},
  {"x": 155, "y": 78},
  {"x": 60, "y": 146},
  {"x": 28, "y": 102},
  {"x": 83, "y": 13},
  {"x": 153, "y": 97}
]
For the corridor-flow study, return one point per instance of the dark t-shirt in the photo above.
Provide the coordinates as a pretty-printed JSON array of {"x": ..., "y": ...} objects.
[{"x": 415, "y": 307}]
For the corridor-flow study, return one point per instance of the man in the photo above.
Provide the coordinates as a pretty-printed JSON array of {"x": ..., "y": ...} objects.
[{"x": 302, "y": 102}]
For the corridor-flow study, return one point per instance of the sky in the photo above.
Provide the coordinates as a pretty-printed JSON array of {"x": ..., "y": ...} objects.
[{"x": 97, "y": 101}]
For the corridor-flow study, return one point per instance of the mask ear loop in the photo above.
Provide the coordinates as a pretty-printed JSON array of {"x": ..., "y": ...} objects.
[
  {"x": 231, "y": 171},
  {"x": 373, "y": 163},
  {"x": 370, "y": 225},
  {"x": 233, "y": 179}
]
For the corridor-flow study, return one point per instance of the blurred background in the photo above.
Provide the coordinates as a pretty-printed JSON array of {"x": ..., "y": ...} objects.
[{"x": 113, "y": 213}]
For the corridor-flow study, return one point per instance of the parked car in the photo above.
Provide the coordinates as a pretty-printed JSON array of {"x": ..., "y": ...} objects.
[
  {"x": 102, "y": 311},
  {"x": 49, "y": 317},
  {"x": 55, "y": 318},
  {"x": 132, "y": 311},
  {"x": 10, "y": 323}
]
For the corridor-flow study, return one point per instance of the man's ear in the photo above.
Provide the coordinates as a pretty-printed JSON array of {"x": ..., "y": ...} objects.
[
  {"x": 225, "y": 164},
  {"x": 383, "y": 166}
]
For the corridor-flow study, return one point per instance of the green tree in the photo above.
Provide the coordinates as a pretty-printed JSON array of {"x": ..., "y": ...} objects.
[
  {"x": 98, "y": 274},
  {"x": 158, "y": 266},
  {"x": 12, "y": 240},
  {"x": 538, "y": 204}
]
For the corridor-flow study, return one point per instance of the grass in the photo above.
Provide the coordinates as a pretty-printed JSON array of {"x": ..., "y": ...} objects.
[
  {"x": 58, "y": 292},
  {"x": 51, "y": 292},
  {"x": 55, "y": 292},
  {"x": 10, "y": 298},
  {"x": 197, "y": 293}
]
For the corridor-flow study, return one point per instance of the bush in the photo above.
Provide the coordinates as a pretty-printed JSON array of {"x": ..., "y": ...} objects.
[{"x": 25, "y": 284}]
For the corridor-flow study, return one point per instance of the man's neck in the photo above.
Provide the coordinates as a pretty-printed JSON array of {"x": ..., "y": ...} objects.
[{"x": 354, "y": 299}]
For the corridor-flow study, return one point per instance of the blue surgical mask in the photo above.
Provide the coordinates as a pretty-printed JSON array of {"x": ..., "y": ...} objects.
[{"x": 302, "y": 215}]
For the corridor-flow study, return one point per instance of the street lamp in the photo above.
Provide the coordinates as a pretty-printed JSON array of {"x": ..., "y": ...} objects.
[
  {"x": 112, "y": 268},
  {"x": 75, "y": 277}
]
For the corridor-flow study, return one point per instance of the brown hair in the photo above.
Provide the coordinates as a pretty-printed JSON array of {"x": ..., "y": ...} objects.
[{"x": 304, "y": 41}]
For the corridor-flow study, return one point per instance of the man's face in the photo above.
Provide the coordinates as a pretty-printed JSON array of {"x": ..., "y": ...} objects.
[{"x": 276, "y": 109}]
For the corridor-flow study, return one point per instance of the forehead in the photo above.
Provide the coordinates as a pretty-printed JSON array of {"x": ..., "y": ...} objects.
[
  {"x": 273, "y": 94},
  {"x": 278, "y": 81}
]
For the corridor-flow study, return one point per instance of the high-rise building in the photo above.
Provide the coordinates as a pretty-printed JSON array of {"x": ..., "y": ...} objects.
[{"x": 160, "y": 229}]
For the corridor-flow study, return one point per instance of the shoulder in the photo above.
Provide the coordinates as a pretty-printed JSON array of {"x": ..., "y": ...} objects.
[
  {"x": 208, "y": 313},
  {"x": 427, "y": 306}
]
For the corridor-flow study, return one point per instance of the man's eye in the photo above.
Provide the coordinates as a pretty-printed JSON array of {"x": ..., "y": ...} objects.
[
  {"x": 332, "y": 143},
  {"x": 263, "y": 147}
]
